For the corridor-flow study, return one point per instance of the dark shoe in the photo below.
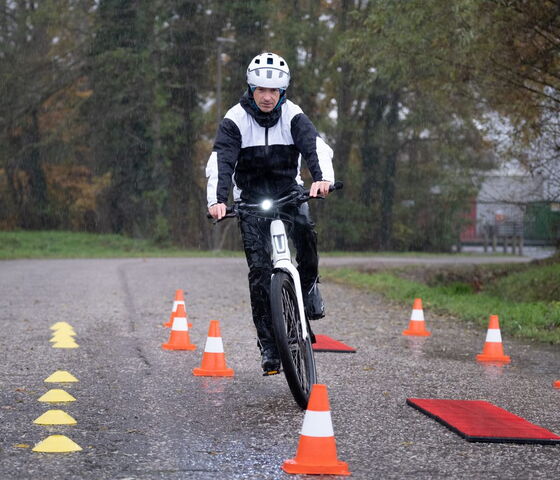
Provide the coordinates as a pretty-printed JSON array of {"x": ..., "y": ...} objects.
[
  {"x": 313, "y": 301},
  {"x": 270, "y": 361}
]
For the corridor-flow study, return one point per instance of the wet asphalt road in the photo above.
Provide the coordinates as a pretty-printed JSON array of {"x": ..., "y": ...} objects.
[{"x": 142, "y": 414}]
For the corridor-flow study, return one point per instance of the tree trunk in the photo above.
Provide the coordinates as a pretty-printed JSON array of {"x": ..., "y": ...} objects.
[
  {"x": 186, "y": 195},
  {"x": 388, "y": 182}
]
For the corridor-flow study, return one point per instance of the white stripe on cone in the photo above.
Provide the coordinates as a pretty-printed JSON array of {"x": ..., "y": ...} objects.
[
  {"x": 317, "y": 424},
  {"x": 176, "y": 303},
  {"x": 180, "y": 324},
  {"x": 214, "y": 345},
  {"x": 417, "y": 315},
  {"x": 493, "y": 335}
]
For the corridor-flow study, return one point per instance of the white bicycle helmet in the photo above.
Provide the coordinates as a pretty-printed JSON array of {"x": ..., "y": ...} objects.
[{"x": 268, "y": 70}]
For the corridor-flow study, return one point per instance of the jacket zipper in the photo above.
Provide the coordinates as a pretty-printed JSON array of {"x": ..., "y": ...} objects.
[{"x": 266, "y": 141}]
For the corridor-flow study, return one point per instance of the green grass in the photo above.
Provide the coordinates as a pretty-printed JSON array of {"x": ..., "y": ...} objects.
[
  {"x": 537, "y": 320},
  {"x": 535, "y": 284},
  {"x": 56, "y": 244}
]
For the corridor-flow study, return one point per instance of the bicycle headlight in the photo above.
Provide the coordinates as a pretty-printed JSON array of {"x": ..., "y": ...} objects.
[{"x": 266, "y": 204}]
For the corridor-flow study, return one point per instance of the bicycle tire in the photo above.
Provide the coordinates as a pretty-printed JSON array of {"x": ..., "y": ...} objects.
[{"x": 296, "y": 353}]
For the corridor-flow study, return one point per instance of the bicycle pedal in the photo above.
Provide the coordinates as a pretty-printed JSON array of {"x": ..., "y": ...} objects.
[{"x": 271, "y": 372}]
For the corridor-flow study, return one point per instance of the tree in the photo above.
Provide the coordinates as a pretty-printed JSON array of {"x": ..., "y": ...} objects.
[
  {"x": 32, "y": 70},
  {"x": 414, "y": 118},
  {"x": 186, "y": 46},
  {"x": 120, "y": 75},
  {"x": 515, "y": 63}
]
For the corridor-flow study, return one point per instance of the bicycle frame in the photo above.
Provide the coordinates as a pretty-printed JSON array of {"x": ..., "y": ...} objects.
[{"x": 282, "y": 260}]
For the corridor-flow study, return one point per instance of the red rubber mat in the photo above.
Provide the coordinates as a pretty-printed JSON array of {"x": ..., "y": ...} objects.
[
  {"x": 327, "y": 344},
  {"x": 480, "y": 421}
]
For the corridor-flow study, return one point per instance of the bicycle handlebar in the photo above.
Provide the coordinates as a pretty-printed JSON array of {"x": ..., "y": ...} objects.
[{"x": 294, "y": 197}]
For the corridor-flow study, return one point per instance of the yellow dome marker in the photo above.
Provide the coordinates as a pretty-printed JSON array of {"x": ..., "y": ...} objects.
[
  {"x": 67, "y": 342},
  {"x": 59, "y": 325},
  {"x": 61, "y": 376},
  {"x": 57, "y": 395},
  {"x": 57, "y": 444},
  {"x": 66, "y": 332},
  {"x": 59, "y": 337},
  {"x": 55, "y": 417}
]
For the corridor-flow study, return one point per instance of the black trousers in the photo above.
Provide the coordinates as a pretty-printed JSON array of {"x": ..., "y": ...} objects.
[{"x": 255, "y": 232}]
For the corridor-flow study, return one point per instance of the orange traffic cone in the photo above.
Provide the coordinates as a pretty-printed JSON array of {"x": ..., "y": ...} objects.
[
  {"x": 179, "y": 299},
  {"x": 179, "y": 338},
  {"x": 493, "y": 350},
  {"x": 213, "y": 358},
  {"x": 416, "y": 325},
  {"x": 316, "y": 453},
  {"x": 556, "y": 384}
]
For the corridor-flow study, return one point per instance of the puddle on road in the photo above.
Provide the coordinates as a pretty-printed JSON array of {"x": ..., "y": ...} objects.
[
  {"x": 214, "y": 388},
  {"x": 423, "y": 347},
  {"x": 416, "y": 346},
  {"x": 538, "y": 364}
]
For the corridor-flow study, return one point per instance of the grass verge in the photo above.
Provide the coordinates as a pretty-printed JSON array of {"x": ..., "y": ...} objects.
[
  {"x": 57, "y": 244},
  {"x": 536, "y": 320}
]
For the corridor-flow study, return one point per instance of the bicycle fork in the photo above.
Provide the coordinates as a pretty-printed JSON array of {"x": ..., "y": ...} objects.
[{"x": 282, "y": 260}]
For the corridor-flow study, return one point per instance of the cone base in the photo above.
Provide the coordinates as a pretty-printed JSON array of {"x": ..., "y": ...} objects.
[
  {"x": 202, "y": 372},
  {"x": 481, "y": 357},
  {"x": 339, "y": 468},
  {"x": 414, "y": 333},
  {"x": 169, "y": 346}
]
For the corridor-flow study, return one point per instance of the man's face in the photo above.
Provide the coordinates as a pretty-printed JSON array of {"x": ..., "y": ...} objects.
[{"x": 266, "y": 98}]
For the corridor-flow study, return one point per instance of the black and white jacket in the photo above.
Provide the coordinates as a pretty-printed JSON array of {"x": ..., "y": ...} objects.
[{"x": 261, "y": 153}]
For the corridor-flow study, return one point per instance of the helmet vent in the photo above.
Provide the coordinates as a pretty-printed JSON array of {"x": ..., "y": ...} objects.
[
  {"x": 269, "y": 61},
  {"x": 269, "y": 74}
]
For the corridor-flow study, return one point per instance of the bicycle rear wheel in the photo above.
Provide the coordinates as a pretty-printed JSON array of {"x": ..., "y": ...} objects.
[{"x": 296, "y": 352}]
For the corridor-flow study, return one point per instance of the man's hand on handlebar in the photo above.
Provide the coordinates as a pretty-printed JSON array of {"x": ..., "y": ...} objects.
[
  {"x": 217, "y": 211},
  {"x": 319, "y": 189}
]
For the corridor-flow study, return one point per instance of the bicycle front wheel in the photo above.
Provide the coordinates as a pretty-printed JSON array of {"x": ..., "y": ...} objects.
[{"x": 296, "y": 352}]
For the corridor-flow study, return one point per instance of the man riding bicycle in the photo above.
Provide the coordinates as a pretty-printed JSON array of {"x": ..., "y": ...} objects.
[{"x": 258, "y": 149}]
